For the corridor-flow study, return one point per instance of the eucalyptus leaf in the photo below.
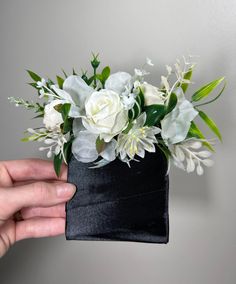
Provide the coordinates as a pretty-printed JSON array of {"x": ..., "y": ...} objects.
[
  {"x": 154, "y": 114},
  {"x": 210, "y": 123},
  {"x": 204, "y": 91}
]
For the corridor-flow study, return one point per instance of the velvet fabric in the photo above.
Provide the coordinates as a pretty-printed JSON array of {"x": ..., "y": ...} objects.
[{"x": 119, "y": 203}]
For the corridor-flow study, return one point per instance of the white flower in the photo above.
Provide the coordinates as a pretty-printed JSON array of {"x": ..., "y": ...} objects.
[
  {"x": 152, "y": 95},
  {"x": 120, "y": 82},
  {"x": 41, "y": 84},
  {"x": 129, "y": 101},
  {"x": 84, "y": 148},
  {"x": 137, "y": 140},
  {"x": 175, "y": 125},
  {"x": 105, "y": 114},
  {"x": 75, "y": 91},
  {"x": 185, "y": 156},
  {"x": 140, "y": 73},
  {"x": 78, "y": 89},
  {"x": 149, "y": 62},
  {"x": 54, "y": 140},
  {"x": 52, "y": 118}
]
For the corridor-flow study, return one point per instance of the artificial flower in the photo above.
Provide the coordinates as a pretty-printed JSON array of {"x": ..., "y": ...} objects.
[
  {"x": 175, "y": 125},
  {"x": 105, "y": 114},
  {"x": 52, "y": 118},
  {"x": 152, "y": 95},
  {"x": 188, "y": 156},
  {"x": 138, "y": 139}
]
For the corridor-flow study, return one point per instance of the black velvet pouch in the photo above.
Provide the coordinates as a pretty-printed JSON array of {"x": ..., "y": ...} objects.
[{"x": 119, "y": 203}]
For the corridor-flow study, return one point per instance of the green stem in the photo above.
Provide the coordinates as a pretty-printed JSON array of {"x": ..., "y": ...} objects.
[{"x": 94, "y": 79}]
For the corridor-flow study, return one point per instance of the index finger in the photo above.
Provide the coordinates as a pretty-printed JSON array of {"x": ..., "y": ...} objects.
[{"x": 33, "y": 169}]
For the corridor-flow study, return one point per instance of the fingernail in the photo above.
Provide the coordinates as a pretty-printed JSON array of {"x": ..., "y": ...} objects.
[{"x": 65, "y": 190}]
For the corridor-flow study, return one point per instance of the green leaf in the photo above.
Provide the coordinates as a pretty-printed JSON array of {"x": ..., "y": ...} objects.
[
  {"x": 204, "y": 91},
  {"x": 25, "y": 139},
  {"x": 214, "y": 99},
  {"x": 211, "y": 124},
  {"x": 65, "y": 109},
  {"x": 34, "y": 76},
  {"x": 67, "y": 150},
  {"x": 171, "y": 103},
  {"x": 154, "y": 114},
  {"x": 60, "y": 82},
  {"x": 100, "y": 145},
  {"x": 34, "y": 85},
  {"x": 106, "y": 73},
  {"x": 67, "y": 125},
  {"x": 74, "y": 72},
  {"x": 90, "y": 80},
  {"x": 138, "y": 106},
  {"x": 194, "y": 131},
  {"x": 64, "y": 73},
  {"x": 187, "y": 76},
  {"x": 57, "y": 162}
]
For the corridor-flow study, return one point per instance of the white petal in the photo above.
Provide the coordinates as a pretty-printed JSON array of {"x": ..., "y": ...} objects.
[
  {"x": 78, "y": 89},
  {"x": 75, "y": 111},
  {"x": 77, "y": 126},
  {"x": 200, "y": 170},
  {"x": 49, "y": 154},
  {"x": 84, "y": 147},
  {"x": 119, "y": 82},
  {"x": 49, "y": 141},
  {"x": 109, "y": 152},
  {"x": 190, "y": 165},
  {"x": 149, "y": 62},
  {"x": 195, "y": 145},
  {"x": 179, "y": 153},
  {"x": 204, "y": 154},
  {"x": 208, "y": 162}
]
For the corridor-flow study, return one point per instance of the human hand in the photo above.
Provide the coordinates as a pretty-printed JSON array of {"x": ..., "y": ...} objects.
[{"x": 32, "y": 188}]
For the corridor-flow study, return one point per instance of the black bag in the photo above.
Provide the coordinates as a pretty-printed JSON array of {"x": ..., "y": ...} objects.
[{"x": 119, "y": 203}]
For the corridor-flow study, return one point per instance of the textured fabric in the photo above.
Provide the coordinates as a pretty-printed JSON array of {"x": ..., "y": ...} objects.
[{"x": 116, "y": 202}]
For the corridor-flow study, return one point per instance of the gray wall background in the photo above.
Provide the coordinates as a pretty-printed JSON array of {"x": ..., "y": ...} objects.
[{"x": 47, "y": 35}]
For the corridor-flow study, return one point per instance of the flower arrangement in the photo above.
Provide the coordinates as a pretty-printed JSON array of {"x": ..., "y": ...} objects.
[{"x": 103, "y": 117}]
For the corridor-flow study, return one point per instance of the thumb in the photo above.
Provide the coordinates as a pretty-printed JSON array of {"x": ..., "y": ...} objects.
[{"x": 41, "y": 193}]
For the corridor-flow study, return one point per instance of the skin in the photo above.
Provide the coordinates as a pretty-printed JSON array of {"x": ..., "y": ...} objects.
[{"x": 32, "y": 187}]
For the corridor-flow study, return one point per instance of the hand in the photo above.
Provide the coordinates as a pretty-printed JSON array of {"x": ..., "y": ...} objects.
[{"x": 32, "y": 188}]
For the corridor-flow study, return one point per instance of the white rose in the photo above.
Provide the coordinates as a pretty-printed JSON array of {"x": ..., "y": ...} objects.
[
  {"x": 175, "y": 125},
  {"x": 105, "y": 114},
  {"x": 52, "y": 118},
  {"x": 152, "y": 95}
]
